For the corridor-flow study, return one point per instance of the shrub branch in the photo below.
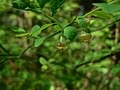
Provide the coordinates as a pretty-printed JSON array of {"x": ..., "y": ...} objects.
[{"x": 98, "y": 60}]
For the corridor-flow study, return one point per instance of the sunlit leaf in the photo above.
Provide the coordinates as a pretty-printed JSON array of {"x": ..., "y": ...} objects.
[
  {"x": 45, "y": 26},
  {"x": 42, "y": 60},
  {"x": 110, "y": 8},
  {"x": 35, "y": 30},
  {"x": 23, "y": 34},
  {"x": 101, "y": 14},
  {"x": 38, "y": 42},
  {"x": 19, "y": 30}
]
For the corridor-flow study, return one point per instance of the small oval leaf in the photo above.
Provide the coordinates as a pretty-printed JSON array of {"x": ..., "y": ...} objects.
[
  {"x": 19, "y": 30},
  {"x": 42, "y": 61},
  {"x": 38, "y": 42},
  {"x": 23, "y": 34},
  {"x": 45, "y": 26},
  {"x": 35, "y": 30}
]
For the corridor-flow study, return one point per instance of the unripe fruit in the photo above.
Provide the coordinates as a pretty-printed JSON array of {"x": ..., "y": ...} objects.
[
  {"x": 85, "y": 37},
  {"x": 61, "y": 46},
  {"x": 44, "y": 67},
  {"x": 70, "y": 33}
]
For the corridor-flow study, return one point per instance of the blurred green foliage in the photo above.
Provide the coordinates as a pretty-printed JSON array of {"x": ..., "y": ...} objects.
[{"x": 36, "y": 55}]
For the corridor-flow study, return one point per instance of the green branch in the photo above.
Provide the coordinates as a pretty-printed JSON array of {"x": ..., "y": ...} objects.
[
  {"x": 53, "y": 34},
  {"x": 97, "y": 60},
  {"x": 87, "y": 14},
  {"x": 57, "y": 22},
  {"x": 40, "y": 11},
  {"x": 5, "y": 50},
  {"x": 21, "y": 55},
  {"x": 108, "y": 24},
  {"x": 25, "y": 51}
]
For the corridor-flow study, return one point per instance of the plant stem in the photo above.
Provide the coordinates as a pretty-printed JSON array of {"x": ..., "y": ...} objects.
[
  {"x": 4, "y": 49},
  {"x": 49, "y": 17},
  {"x": 71, "y": 22},
  {"x": 25, "y": 51},
  {"x": 56, "y": 21},
  {"x": 32, "y": 44},
  {"x": 99, "y": 59},
  {"x": 87, "y": 14},
  {"x": 108, "y": 24},
  {"x": 53, "y": 34}
]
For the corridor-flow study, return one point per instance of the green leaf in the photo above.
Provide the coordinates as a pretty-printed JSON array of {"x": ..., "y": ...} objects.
[
  {"x": 97, "y": 33},
  {"x": 33, "y": 4},
  {"x": 101, "y": 14},
  {"x": 19, "y": 30},
  {"x": 109, "y": 8},
  {"x": 115, "y": 70},
  {"x": 38, "y": 42},
  {"x": 45, "y": 26},
  {"x": 42, "y": 61},
  {"x": 116, "y": 47},
  {"x": 70, "y": 33},
  {"x": 35, "y": 30},
  {"x": 42, "y": 3},
  {"x": 18, "y": 4},
  {"x": 23, "y": 34},
  {"x": 55, "y": 4},
  {"x": 26, "y": 1},
  {"x": 116, "y": 13}
]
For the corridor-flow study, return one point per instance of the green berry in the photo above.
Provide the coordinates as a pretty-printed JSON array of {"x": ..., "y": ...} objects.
[{"x": 70, "y": 33}]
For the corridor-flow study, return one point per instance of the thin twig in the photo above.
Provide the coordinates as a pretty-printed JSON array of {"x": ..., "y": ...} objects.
[
  {"x": 5, "y": 50},
  {"x": 25, "y": 50},
  {"x": 97, "y": 60},
  {"x": 32, "y": 44},
  {"x": 108, "y": 24},
  {"x": 40, "y": 11},
  {"x": 69, "y": 24},
  {"x": 53, "y": 34}
]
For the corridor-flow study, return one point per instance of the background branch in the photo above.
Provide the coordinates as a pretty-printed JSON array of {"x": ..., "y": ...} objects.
[
  {"x": 5, "y": 50},
  {"x": 97, "y": 60},
  {"x": 25, "y": 50},
  {"x": 108, "y": 24}
]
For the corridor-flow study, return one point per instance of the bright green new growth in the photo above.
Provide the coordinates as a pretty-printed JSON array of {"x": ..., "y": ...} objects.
[{"x": 70, "y": 33}]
